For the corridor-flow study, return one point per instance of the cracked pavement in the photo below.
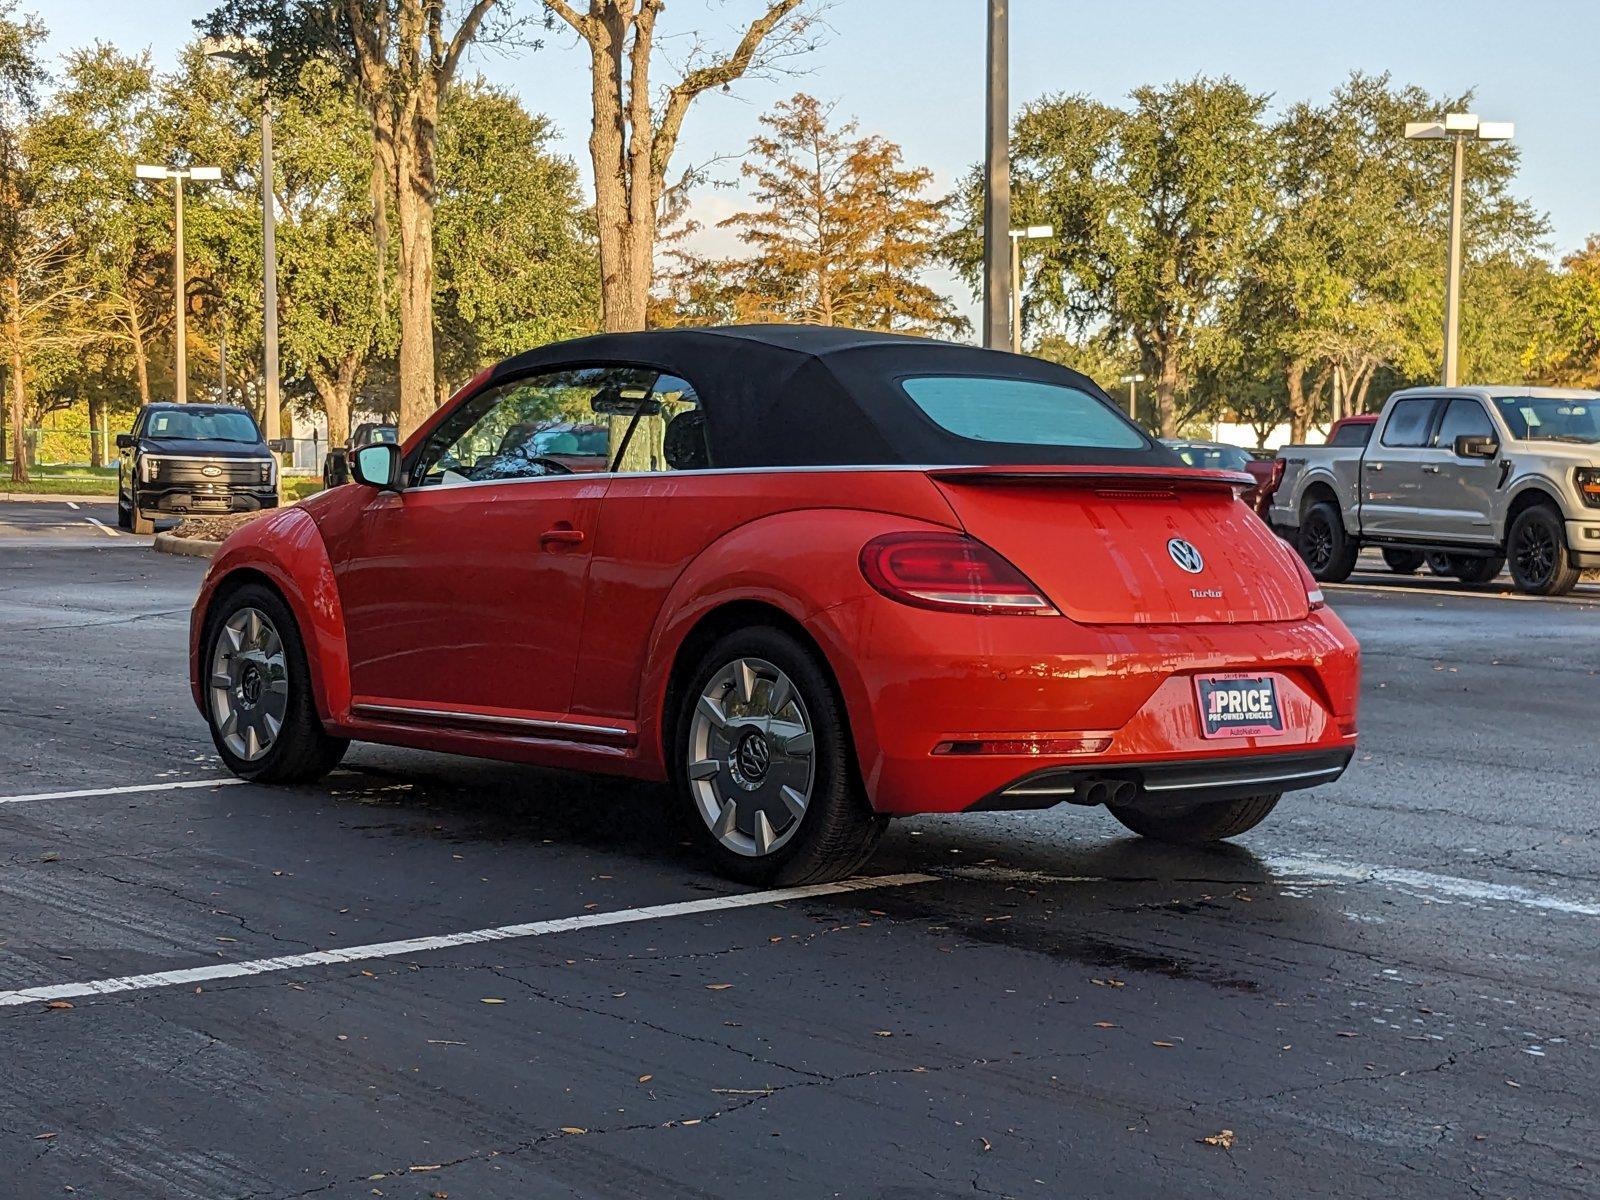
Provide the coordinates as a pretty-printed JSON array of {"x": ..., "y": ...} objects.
[{"x": 1065, "y": 1011}]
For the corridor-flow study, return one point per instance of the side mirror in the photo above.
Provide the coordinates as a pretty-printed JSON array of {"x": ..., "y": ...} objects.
[
  {"x": 281, "y": 445},
  {"x": 377, "y": 466},
  {"x": 124, "y": 441},
  {"x": 1472, "y": 445}
]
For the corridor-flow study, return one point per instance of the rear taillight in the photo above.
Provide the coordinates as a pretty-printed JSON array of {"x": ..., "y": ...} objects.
[
  {"x": 1313, "y": 589},
  {"x": 949, "y": 572}
]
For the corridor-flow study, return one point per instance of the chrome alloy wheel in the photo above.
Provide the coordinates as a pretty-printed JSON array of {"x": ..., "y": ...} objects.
[
  {"x": 750, "y": 753},
  {"x": 249, "y": 683}
]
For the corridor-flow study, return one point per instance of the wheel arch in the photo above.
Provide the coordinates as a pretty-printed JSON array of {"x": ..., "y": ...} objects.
[
  {"x": 1529, "y": 495},
  {"x": 1315, "y": 493},
  {"x": 283, "y": 552}
]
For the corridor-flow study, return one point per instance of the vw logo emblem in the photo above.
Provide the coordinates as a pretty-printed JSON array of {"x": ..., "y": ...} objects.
[
  {"x": 1186, "y": 556},
  {"x": 754, "y": 757}
]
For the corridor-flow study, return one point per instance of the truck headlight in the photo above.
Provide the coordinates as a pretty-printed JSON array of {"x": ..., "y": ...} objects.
[
  {"x": 1587, "y": 480},
  {"x": 152, "y": 469}
]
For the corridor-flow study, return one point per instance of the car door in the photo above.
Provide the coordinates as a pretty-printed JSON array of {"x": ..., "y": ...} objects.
[
  {"x": 1458, "y": 492},
  {"x": 1392, "y": 470},
  {"x": 464, "y": 592}
]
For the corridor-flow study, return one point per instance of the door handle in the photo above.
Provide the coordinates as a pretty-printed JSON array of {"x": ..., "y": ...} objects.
[
  {"x": 561, "y": 535},
  {"x": 1431, "y": 470},
  {"x": 1374, "y": 466}
]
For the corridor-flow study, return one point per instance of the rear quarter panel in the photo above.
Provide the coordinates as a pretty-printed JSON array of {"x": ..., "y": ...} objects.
[{"x": 670, "y": 548}]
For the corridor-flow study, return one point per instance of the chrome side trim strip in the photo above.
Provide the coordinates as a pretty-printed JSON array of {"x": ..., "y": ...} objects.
[
  {"x": 1325, "y": 772},
  {"x": 391, "y": 711}
]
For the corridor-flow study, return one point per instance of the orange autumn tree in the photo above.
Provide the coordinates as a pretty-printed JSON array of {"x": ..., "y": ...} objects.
[{"x": 840, "y": 233}]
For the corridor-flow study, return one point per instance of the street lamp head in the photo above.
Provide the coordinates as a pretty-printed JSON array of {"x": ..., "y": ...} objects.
[
  {"x": 147, "y": 171},
  {"x": 233, "y": 48},
  {"x": 1425, "y": 131},
  {"x": 1132, "y": 379},
  {"x": 1461, "y": 122},
  {"x": 205, "y": 174},
  {"x": 1496, "y": 131},
  {"x": 1041, "y": 231}
]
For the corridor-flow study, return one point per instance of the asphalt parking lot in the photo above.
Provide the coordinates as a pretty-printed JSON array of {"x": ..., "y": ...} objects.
[{"x": 1389, "y": 989}]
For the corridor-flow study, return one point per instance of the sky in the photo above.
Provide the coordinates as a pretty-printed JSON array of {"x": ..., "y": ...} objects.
[{"x": 913, "y": 70}]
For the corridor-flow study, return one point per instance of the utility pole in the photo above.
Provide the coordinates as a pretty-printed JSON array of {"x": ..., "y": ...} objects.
[
  {"x": 1018, "y": 236},
  {"x": 269, "y": 254},
  {"x": 1133, "y": 381},
  {"x": 180, "y": 379},
  {"x": 997, "y": 281}
]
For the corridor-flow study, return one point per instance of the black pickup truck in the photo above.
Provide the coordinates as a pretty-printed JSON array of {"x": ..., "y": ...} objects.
[{"x": 192, "y": 458}]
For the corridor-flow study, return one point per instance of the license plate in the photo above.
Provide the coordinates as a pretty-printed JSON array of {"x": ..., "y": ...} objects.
[
  {"x": 1238, "y": 705},
  {"x": 222, "y": 504}
]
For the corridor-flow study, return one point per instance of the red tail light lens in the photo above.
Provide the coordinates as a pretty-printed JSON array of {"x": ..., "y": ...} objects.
[{"x": 949, "y": 572}]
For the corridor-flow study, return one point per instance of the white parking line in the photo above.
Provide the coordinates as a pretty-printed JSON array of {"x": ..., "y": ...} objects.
[
  {"x": 128, "y": 790},
  {"x": 410, "y": 946},
  {"x": 72, "y": 506},
  {"x": 102, "y": 527},
  {"x": 1585, "y": 598},
  {"x": 1291, "y": 869}
]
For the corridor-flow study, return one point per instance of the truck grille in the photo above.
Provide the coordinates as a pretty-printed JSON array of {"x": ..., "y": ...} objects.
[{"x": 220, "y": 471}]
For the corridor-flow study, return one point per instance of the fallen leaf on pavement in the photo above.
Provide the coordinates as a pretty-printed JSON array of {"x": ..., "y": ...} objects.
[
  {"x": 1104, "y": 1025},
  {"x": 718, "y": 987},
  {"x": 646, "y": 1078},
  {"x": 421, "y": 1167},
  {"x": 573, "y": 1129},
  {"x": 43, "y": 1137},
  {"x": 59, "y": 1004},
  {"x": 1163, "y": 1045},
  {"x": 1223, "y": 1139},
  {"x": 492, "y": 1000}
]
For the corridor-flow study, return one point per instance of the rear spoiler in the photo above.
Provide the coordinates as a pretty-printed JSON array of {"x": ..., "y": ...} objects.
[{"x": 1095, "y": 476}]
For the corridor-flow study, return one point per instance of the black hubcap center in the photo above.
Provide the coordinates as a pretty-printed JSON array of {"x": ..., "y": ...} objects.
[
  {"x": 751, "y": 758},
  {"x": 250, "y": 686}
]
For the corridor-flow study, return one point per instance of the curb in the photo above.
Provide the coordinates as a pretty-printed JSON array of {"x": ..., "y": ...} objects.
[
  {"x": 55, "y": 498},
  {"x": 167, "y": 543}
]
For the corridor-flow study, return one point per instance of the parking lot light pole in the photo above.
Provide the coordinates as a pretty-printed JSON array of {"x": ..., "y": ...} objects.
[
  {"x": 1459, "y": 128},
  {"x": 996, "y": 181},
  {"x": 180, "y": 375},
  {"x": 1031, "y": 233},
  {"x": 1132, "y": 381}
]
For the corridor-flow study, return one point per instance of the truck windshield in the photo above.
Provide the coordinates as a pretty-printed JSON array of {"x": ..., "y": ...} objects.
[
  {"x": 1550, "y": 418},
  {"x": 201, "y": 426}
]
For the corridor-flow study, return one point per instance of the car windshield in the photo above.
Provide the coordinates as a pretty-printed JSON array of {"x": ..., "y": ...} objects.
[
  {"x": 1213, "y": 458},
  {"x": 1551, "y": 418},
  {"x": 1021, "y": 412},
  {"x": 201, "y": 425}
]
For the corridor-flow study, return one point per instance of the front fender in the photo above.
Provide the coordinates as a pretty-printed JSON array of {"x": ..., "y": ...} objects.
[
  {"x": 804, "y": 563},
  {"x": 1519, "y": 486},
  {"x": 287, "y": 551}
]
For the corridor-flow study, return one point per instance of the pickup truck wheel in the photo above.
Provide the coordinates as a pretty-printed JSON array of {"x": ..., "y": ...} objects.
[
  {"x": 1329, "y": 552},
  {"x": 1201, "y": 824},
  {"x": 1476, "y": 570},
  {"x": 124, "y": 517},
  {"x": 1541, "y": 564},
  {"x": 1403, "y": 562}
]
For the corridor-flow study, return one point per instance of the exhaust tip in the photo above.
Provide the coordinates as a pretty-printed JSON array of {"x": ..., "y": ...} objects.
[
  {"x": 1123, "y": 792},
  {"x": 1096, "y": 791}
]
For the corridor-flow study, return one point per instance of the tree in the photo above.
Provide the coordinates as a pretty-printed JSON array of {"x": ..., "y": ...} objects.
[
  {"x": 400, "y": 58},
  {"x": 1157, "y": 210},
  {"x": 517, "y": 254},
  {"x": 1566, "y": 347},
  {"x": 842, "y": 231},
  {"x": 23, "y": 251},
  {"x": 634, "y": 134}
]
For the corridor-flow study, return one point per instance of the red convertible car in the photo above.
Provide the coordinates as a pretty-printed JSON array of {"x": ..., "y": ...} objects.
[{"x": 856, "y": 576}]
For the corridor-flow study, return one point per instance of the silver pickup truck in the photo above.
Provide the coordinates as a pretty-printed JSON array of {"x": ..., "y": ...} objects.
[{"x": 1471, "y": 479}]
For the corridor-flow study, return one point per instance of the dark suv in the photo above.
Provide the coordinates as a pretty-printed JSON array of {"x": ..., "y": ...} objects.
[{"x": 192, "y": 458}]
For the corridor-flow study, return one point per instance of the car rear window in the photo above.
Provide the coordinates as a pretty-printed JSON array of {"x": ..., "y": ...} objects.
[
  {"x": 1357, "y": 433},
  {"x": 1021, "y": 412},
  {"x": 1214, "y": 458}
]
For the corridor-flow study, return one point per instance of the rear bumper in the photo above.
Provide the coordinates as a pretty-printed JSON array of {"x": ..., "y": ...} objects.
[
  {"x": 1088, "y": 701},
  {"x": 1172, "y": 783}
]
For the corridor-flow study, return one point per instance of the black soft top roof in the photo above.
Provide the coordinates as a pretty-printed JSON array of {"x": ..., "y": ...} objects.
[{"x": 808, "y": 395}]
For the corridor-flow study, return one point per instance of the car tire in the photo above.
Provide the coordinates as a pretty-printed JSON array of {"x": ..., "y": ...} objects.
[
  {"x": 1203, "y": 823},
  {"x": 139, "y": 523},
  {"x": 124, "y": 517},
  {"x": 1404, "y": 562},
  {"x": 298, "y": 750},
  {"x": 761, "y": 727},
  {"x": 1477, "y": 570},
  {"x": 1541, "y": 563},
  {"x": 1325, "y": 546},
  {"x": 1442, "y": 565}
]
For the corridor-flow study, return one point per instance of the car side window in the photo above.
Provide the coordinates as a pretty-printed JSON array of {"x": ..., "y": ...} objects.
[
  {"x": 1462, "y": 418},
  {"x": 1352, "y": 435},
  {"x": 1408, "y": 423},
  {"x": 669, "y": 435},
  {"x": 553, "y": 423}
]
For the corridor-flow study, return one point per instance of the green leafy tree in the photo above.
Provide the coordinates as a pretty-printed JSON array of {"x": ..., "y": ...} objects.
[{"x": 1565, "y": 348}]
